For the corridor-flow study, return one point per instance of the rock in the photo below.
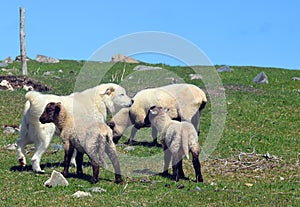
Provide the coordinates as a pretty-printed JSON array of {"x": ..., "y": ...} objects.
[
  {"x": 47, "y": 73},
  {"x": 5, "y": 85},
  {"x": 123, "y": 58},
  {"x": 97, "y": 190},
  {"x": 195, "y": 76},
  {"x": 261, "y": 78},
  {"x": 8, "y": 60},
  {"x": 180, "y": 186},
  {"x": 56, "y": 179},
  {"x": 3, "y": 65},
  {"x": 295, "y": 78},
  {"x": 145, "y": 67},
  {"x": 11, "y": 147},
  {"x": 80, "y": 194},
  {"x": 129, "y": 148},
  {"x": 9, "y": 130},
  {"x": 45, "y": 59},
  {"x": 198, "y": 189},
  {"x": 224, "y": 69}
]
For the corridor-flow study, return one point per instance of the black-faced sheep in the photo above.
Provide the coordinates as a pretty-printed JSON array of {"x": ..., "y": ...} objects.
[
  {"x": 178, "y": 139},
  {"x": 91, "y": 138},
  {"x": 185, "y": 103},
  {"x": 94, "y": 103}
]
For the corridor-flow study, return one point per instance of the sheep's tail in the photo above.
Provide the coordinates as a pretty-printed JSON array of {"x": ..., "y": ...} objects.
[
  {"x": 185, "y": 146},
  {"x": 31, "y": 95}
]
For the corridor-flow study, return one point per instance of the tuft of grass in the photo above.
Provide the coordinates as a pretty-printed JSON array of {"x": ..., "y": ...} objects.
[{"x": 260, "y": 119}]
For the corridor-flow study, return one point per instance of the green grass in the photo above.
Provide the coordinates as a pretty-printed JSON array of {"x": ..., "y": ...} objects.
[{"x": 260, "y": 119}]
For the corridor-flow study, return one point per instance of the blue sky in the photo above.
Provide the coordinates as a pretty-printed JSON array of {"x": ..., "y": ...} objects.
[{"x": 234, "y": 32}]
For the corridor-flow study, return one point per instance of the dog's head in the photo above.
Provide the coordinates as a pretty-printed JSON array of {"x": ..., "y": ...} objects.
[{"x": 50, "y": 113}]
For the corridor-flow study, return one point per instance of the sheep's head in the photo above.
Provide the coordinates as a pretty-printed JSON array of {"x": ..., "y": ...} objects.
[
  {"x": 50, "y": 113},
  {"x": 157, "y": 110}
]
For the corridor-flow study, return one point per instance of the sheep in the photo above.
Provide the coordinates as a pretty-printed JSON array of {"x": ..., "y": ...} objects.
[
  {"x": 93, "y": 103},
  {"x": 178, "y": 139},
  {"x": 91, "y": 138},
  {"x": 185, "y": 102}
]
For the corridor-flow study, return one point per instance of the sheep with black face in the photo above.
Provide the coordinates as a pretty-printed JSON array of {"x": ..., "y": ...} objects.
[{"x": 94, "y": 139}]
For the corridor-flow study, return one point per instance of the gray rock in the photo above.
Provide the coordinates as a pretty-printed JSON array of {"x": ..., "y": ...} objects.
[
  {"x": 224, "y": 69},
  {"x": 3, "y": 64},
  {"x": 129, "y": 148},
  {"x": 9, "y": 130},
  {"x": 80, "y": 194},
  {"x": 56, "y": 179},
  {"x": 295, "y": 78},
  {"x": 145, "y": 67},
  {"x": 123, "y": 58},
  {"x": 11, "y": 147},
  {"x": 45, "y": 59},
  {"x": 195, "y": 76},
  {"x": 261, "y": 78},
  {"x": 97, "y": 190}
]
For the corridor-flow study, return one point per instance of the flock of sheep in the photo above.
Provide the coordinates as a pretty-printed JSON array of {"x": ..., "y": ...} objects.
[{"x": 173, "y": 111}]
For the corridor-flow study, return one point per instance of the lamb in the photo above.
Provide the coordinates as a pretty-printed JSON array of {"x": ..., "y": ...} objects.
[
  {"x": 91, "y": 138},
  {"x": 93, "y": 103},
  {"x": 178, "y": 139},
  {"x": 185, "y": 102}
]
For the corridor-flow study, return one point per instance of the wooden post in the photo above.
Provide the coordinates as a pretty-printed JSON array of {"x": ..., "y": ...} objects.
[{"x": 22, "y": 41}]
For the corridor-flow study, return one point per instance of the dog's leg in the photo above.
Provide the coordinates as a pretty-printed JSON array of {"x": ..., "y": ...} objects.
[{"x": 112, "y": 154}]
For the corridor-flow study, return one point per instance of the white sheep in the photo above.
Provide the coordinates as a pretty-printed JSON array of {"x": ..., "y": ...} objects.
[
  {"x": 91, "y": 138},
  {"x": 185, "y": 103},
  {"x": 178, "y": 139},
  {"x": 94, "y": 104}
]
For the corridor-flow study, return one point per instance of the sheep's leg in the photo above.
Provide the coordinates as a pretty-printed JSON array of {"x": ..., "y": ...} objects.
[
  {"x": 112, "y": 154},
  {"x": 132, "y": 135},
  {"x": 167, "y": 159},
  {"x": 154, "y": 136},
  {"x": 69, "y": 149},
  {"x": 197, "y": 167},
  {"x": 175, "y": 167},
  {"x": 96, "y": 169},
  {"x": 180, "y": 170},
  {"x": 79, "y": 161}
]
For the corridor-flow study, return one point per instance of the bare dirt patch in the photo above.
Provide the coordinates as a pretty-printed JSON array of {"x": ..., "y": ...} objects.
[{"x": 18, "y": 82}]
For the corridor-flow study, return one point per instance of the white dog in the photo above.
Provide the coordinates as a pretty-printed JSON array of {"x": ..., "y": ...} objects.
[{"x": 91, "y": 105}]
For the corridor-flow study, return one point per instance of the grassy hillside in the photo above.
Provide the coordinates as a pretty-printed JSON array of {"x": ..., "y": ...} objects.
[{"x": 256, "y": 162}]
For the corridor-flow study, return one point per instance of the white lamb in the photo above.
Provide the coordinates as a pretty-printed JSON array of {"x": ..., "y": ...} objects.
[
  {"x": 178, "y": 139},
  {"x": 91, "y": 138},
  {"x": 93, "y": 104},
  {"x": 185, "y": 103}
]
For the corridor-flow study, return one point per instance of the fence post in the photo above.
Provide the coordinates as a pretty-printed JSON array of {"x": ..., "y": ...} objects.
[{"x": 22, "y": 41}]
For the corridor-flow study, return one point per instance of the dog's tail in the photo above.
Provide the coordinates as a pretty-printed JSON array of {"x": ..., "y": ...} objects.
[{"x": 31, "y": 95}]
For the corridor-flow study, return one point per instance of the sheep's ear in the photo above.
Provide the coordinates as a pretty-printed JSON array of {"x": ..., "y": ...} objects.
[
  {"x": 111, "y": 124},
  {"x": 109, "y": 90},
  {"x": 57, "y": 108}
]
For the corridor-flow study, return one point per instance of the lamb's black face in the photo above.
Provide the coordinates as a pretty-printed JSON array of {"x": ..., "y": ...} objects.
[{"x": 50, "y": 113}]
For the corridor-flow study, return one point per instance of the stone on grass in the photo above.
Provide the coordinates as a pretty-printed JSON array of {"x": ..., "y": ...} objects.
[
  {"x": 195, "y": 76},
  {"x": 80, "y": 194},
  {"x": 261, "y": 78},
  {"x": 224, "y": 69},
  {"x": 295, "y": 78},
  {"x": 145, "y": 67},
  {"x": 56, "y": 179},
  {"x": 45, "y": 59},
  {"x": 97, "y": 190}
]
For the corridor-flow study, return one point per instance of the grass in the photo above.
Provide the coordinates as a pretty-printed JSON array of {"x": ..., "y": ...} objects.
[{"x": 260, "y": 119}]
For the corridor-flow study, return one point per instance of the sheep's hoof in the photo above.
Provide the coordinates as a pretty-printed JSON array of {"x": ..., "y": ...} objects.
[
  {"x": 94, "y": 180},
  {"x": 199, "y": 179},
  {"x": 119, "y": 179}
]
